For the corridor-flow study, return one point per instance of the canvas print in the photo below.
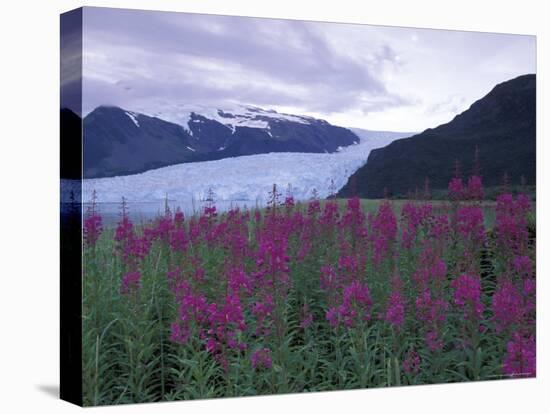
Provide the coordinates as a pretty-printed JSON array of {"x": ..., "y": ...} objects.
[{"x": 258, "y": 206}]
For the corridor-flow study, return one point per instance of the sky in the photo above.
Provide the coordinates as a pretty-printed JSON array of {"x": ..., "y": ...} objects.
[{"x": 352, "y": 75}]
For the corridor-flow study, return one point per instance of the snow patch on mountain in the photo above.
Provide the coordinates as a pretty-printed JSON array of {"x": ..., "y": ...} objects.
[
  {"x": 133, "y": 117},
  {"x": 231, "y": 116}
]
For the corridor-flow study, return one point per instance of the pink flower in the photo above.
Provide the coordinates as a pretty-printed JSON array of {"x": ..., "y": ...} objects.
[
  {"x": 434, "y": 341},
  {"x": 239, "y": 282},
  {"x": 131, "y": 282},
  {"x": 395, "y": 314},
  {"x": 507, "y": 306},
  {"x": 470, "y": 223},
  {"x": 355, "y": 307},
  {"x": 412, "y": 218},
  {"x": 456, "y": 189},
  {"x": 92, "y": 229},
  {"x": 263, "y": 310},
  {"x": 193, "y": 314},
  {"x": 467, "y": 295},
  {"x": 92, "y": 223},
  {"x": 523, "y": 266},
  {"x": 440, "y": 228},
  {"x": 178, "y": 240},
  {"x": 124, "y": 229},
  {"x": 289, "y": 202},
  {"x": 225, "y": 321},
  {"x": 429, "y": 310},
  {"x": 261, "y": 358},
  {"x": 383, "y": 232},
  {"x": 521, "y": 356},
  {"x": 475, "y": 188},
  {"x": 511, "y": 222},
  {"x": 411, "y": 363}
]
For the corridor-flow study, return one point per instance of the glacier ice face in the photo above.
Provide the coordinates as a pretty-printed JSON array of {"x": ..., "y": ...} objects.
[{"x": 245, "y": 179}]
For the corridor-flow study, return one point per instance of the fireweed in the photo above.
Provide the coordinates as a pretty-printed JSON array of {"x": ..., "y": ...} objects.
[
  {"x": 92, "y": 223},
  {"x": 306, "y": 296}
]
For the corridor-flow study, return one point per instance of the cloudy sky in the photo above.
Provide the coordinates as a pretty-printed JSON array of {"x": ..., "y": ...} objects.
[{"x": 374, "y": 77}]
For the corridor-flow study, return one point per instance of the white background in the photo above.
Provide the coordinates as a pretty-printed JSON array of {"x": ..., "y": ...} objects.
[{"x": 29, "y": 263}]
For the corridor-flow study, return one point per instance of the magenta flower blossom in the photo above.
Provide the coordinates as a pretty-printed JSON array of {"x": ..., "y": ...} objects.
[
  {"x": 521, "y": 356},
  {"x": 355, "y": 307},
  {"x": 178, "y": 240},
  {"x": 179, "y": 218},
  {"x": 92, "y": 228},
  {"x": 467, "y": 296},
  {"x": 193, "y": 314},
  {"x": 330, "y": 214},
  {"x": 395, "y": 314},
  {"x": 289, "y": 202},
  {"x": 383, "y": 232},
  {"x": 474, "y": 191},
  {"x": 261, "y": 358},
  {"x": 470, "y": 223},
  {"x": 411, "y": 363},
  {"x": 263, "y": 311},
  {"x": 440, "y": 228},
  {"x": 131, "y": 282},
  {"x": 412, "y": 218},
  {"x": 239, "y": 281},
  {"x": 511, "y": 222},
  {"x": 523, "y": 266},
  {"x": 225, "y": 322},
  {"x": 332, "y": 316},
  {"x": 210, "y": 211},
  {"x": 434, "y": 341},
  {"x": 433, "y": 312},
  {"x": 429, "y": 310},
  {"x": 92, "y": 223},
  {"x": 124, "y": 229},
  {"x": 430, "y": 269},
  {"x": 456, "y": 189},
  {"x": 313, "y": 208},
  {"x": 507, "y": 306}
]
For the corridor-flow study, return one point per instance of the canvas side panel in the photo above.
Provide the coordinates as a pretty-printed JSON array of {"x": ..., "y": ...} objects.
[{"x": 71, "y": 206}]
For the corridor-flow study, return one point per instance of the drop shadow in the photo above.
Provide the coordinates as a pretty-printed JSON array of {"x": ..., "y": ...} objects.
[{"x": 49, "y": 389}]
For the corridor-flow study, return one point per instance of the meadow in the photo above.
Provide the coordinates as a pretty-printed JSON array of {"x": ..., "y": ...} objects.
[{"x": 311, "y": 296}]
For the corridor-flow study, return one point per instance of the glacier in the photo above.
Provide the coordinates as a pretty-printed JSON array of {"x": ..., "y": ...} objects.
[{"x": 245, "y": 180}]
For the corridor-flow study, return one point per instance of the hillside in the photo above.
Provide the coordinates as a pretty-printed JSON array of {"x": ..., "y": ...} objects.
[{"x": 501, "y": 125}]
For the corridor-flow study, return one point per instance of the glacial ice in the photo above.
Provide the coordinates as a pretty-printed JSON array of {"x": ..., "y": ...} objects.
[{"x": 246, "y": 179}]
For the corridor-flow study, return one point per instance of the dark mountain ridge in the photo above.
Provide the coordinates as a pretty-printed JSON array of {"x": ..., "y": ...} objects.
[
  {"x": 121, "y": 142},
  {"x": 501, "y": 126}
]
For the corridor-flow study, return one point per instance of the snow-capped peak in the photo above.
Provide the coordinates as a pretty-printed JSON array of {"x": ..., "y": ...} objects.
[{"x": 232, "y": 116}]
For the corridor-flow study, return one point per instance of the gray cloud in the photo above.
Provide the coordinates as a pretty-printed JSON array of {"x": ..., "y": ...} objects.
[
  {"x": 186, "y": 57},
  {"x": 375, "y": 77}
]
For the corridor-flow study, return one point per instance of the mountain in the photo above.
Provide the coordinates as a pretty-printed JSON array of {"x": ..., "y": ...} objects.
[
  {"x": 123, "y": 142},
  {"x": 501, "y": 125}
]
